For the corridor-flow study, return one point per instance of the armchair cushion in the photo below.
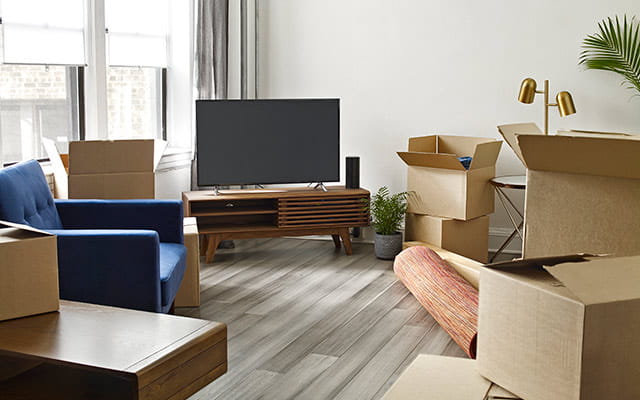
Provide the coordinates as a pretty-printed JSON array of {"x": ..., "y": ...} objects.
[{"x": 25, "y": 197}]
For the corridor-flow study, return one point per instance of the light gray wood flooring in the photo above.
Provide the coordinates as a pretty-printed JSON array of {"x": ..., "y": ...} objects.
[{"x": 308, "y": 322}]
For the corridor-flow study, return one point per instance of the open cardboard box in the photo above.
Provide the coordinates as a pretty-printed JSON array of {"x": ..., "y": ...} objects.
[
  {"x": 28, "y": 271},
  {"x": 109, "y": 169},
  {"x": 189, "y": 293},
  {"x": 468, "y": 238},
  {"x": 583, "y": 191},
  {"x": 432, "y": 377},
  {"x": 562, "y": 327},
  {"x": 440, "y": 184}
]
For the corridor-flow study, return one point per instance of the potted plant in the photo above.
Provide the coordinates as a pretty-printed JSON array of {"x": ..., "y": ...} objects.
[
  {"x": 387, "y": 214},
  {"x": 615, "y": 48}
]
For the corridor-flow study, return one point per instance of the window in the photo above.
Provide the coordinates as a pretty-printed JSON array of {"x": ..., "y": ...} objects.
[
  {"x": 42, "y": 49},
  {"x": 37, "y": 102},
  {"x": 137, "y": 58}
]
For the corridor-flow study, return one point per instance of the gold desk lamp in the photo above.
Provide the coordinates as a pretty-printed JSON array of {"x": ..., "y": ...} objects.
[{"x": 564, "y": 102}]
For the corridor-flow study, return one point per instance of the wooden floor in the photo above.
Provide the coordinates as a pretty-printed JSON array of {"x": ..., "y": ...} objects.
[{"x": 308, "y": 322}]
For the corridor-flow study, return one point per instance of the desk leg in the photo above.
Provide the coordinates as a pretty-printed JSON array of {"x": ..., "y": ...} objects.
[
  {"x": 336, "y": 240},
  {"x": 212, "y": 244},
  {"x": 346, "y": 241}
]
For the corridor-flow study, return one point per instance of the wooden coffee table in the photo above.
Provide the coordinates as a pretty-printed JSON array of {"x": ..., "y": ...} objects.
[{"x": 87, "y": 351}]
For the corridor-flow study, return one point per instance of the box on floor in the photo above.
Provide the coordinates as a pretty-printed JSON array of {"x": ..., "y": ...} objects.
[
  {"x": 431, "y": 377},
  {"x": 439, "y": 183},
  {"x": 28, "y": 271},
  {"x": 189, "y": 292},
  {"x": 562, "y": 328},
  {"x": 582, "y": 192},
  {"x": 468, "y": 238},
  {"x": 109, "y": 169}
]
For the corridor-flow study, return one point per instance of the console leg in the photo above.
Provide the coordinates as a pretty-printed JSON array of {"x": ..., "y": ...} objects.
[
  {"x": 336, "y": 240},
  {"x": 212, "y": 245},
  {"x": 204, "y": 241},
  {"x": 346, "y": 241}
]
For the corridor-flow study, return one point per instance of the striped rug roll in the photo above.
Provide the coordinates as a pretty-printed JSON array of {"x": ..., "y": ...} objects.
[{"x": 451, "y": 300}]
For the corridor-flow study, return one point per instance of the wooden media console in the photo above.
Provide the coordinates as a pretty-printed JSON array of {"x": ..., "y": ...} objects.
[{"x": 245, "y": 214}]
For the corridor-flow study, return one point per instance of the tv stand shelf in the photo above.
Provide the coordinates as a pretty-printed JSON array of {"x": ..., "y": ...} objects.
[{"x": 244, "y": 214}]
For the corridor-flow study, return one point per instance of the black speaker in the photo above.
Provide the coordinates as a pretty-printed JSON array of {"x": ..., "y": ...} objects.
[{"x": 352, "y": 180}]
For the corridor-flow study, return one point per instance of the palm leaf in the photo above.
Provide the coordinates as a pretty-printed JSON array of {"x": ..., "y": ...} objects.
[{"x": 615, "y": 48}]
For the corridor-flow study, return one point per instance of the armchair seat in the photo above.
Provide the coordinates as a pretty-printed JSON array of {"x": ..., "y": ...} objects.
[
  {"x": 121, "y": 253},
  {"x": 172, "y": 266}
]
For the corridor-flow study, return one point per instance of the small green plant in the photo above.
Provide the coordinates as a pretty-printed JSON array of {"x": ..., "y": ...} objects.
[
  {"x": 615, "y": 48},
  {"x": 387, "y": 211}
]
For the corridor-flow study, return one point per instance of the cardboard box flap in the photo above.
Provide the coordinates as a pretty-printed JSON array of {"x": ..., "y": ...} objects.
[
  {"x": 601, "y": 280},
  {"x": 439, "y": 377},
  {"x": 581, "y": 155},
  {"x": 33, "y": 232},
  {"x": 510, "y": 131},
  {"x": 59, "y": 172},
  {"x": 582, "y": 132},
  {"x": 159, "y": 148},
  {"x": 498, "y": 392},
  {"x": 432, "y": 160},
  {"x": 486, "y": 154},
  {"x": 424, "y": 144},
  {"x": 541, "y": 262}
]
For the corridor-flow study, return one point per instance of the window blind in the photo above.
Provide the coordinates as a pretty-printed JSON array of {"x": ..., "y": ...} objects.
[
  {"x": 137, "y": 32},
  {"x": 43, "y": 32}
]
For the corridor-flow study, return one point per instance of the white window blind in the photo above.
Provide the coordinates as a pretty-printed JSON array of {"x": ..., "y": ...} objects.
[
  {"x": 43, "y": 32},
  {"x": 137, "y": 32}
]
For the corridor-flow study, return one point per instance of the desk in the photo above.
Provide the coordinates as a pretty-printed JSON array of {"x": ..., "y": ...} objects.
[
  {"x": 87, "y": 351},
  {"x": 500, "y": 183}
]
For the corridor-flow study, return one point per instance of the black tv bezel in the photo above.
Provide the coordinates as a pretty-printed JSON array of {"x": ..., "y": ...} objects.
[{"x": 199, "y": 182}]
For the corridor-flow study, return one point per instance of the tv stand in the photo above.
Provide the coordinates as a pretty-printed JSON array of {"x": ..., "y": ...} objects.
[
  {"x": 261, "y": 213},
  {"x": 321, "y": 186}
]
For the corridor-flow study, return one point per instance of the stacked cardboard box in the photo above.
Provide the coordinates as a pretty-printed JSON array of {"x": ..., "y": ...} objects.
[
  {"x": 582, "y": 191},
  {"x": 448, "y": 203}
]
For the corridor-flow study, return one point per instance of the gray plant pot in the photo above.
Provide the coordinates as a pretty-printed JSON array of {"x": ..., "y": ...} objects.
[{"x": 387, "y": 247}]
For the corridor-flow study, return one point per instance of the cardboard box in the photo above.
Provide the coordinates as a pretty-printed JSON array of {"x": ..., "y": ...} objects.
[
  {"x": 468, "y": 238},
  {"x": 28, "y": 271},
  {"x": 440, "y": 184},
  {"x": 114, "y": 169},
  {"x": 189, "y": 292},
  {"x": 582, "y": 195},
  {"x": 431, "y": 377},
  {"x": 562, "y": 328}
]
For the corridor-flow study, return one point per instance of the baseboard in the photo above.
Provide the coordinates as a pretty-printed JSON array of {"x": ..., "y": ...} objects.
[{"x": 496, "y": 237}]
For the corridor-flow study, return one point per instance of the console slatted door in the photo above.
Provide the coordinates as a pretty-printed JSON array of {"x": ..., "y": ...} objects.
[{"x": 300, "y": 212}]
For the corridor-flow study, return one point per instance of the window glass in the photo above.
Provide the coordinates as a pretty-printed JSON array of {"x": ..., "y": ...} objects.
[{"x": 134, "y": 97}]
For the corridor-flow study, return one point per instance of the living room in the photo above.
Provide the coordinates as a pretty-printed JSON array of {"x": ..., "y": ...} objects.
[{"x": 285, "y": 199}]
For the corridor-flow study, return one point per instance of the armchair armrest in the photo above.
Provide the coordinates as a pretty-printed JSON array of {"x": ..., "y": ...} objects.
[
  {"x": 110, "y": 267},
  {"x": 162, "y": 216}
]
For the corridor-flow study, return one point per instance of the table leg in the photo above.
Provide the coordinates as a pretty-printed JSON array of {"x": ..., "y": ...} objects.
[
  {"x": 212, "y": 244},
  {"x": 336, "y": 240},
  {"x": 346, "y": 241}
]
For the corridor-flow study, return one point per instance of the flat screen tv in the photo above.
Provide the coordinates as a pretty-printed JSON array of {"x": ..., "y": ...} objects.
[{"x": 267, "y": 141}]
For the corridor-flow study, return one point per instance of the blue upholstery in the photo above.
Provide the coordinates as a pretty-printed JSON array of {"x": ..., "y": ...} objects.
[
  {"x": 25, "y": 197},
  {"x": 122, "y": 253}
]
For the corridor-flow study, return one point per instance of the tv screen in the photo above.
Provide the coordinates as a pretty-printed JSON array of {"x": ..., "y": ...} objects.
[{"x": 267, "y": 141}]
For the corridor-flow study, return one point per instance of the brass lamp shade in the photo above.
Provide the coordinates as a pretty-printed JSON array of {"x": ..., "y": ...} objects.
[
  {"x": 527, "y": 91},
  {"x": 565, "y": 104}
]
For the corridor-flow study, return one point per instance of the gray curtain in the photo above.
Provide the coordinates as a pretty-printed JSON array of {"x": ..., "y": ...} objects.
[
  {"x": 210, "y": 58},
  {"x": 212, "y": 26}
]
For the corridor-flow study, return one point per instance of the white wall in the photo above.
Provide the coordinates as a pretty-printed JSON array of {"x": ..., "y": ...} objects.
[{"x": 412, "y": 67}]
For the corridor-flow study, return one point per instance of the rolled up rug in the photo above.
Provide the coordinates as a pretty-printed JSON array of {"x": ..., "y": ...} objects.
[{"x": 451, "y": 300}]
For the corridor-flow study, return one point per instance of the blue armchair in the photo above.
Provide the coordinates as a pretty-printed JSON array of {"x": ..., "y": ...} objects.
[{"x": 122, "y": 253}]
